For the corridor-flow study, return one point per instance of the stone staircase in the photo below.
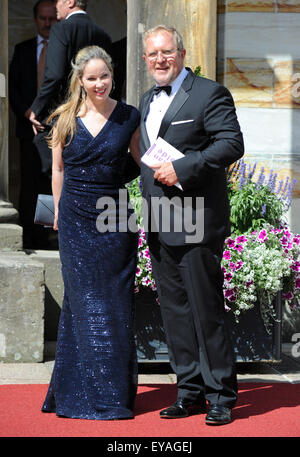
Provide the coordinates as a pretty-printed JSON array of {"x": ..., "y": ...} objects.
[{"x": 31, "y": 291}]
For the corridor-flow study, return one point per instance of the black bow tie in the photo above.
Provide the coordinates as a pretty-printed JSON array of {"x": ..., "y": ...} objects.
[{"x": 158, "y": 89}]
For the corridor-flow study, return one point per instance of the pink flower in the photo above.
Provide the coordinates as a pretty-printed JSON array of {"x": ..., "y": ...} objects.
[
  {"x": 295, "y": 266},
  {"x": 241, "y": 239},
  {"x": 238, "y": 265},
  {"x": 239, "y": 247},
  {"x": 146, "y": 253},
  {"x": 288, "y": 296},
  {"x": 138, "y": 271},
  {"x": 284, "y": 241},
  {"x": 227, "y": 309},
  {"x": 230, "y": 242},
  {"x": 230, "y": 294},
  {"x": 227, "y": 255},
  {"x": 262, "y": 236},
  {"x": 228, "y": 276},
  {"x": 297, "y": 283}
]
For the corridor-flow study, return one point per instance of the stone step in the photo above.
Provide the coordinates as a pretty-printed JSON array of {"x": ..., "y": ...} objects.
[
  {"x": 54, "y": 289},
  {"x": 10, "y": 237},
  {"x": 22, "y": 285},
  {"x": 8, "y": 214}
]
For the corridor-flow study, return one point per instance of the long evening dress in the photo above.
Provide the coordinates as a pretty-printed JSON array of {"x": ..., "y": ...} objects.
[{"x": 95, "y": 371}]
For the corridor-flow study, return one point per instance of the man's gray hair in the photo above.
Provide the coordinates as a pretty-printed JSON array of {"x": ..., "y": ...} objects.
[
  {"x": 81, "y": 4},
  {"x": 164, "y": 28}
]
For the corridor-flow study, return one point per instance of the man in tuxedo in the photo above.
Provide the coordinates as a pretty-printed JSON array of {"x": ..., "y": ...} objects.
[
  {"x": 197, "y": 117},
  {"x": 23, "y": 87},
  {"x": 74, "y": 31}
]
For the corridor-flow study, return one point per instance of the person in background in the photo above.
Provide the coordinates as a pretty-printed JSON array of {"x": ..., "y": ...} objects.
[
  {"x": 73, "y": 31},
  {"x": 25, "y": 74}
]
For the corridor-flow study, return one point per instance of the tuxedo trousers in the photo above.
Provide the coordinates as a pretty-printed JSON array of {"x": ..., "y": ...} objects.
[{"x": 190, "y": 289}]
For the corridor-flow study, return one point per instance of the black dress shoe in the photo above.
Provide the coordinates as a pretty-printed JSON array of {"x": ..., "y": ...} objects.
[
  {"x": 218, "y": 415},
  {"x": 183, "y": 408}
]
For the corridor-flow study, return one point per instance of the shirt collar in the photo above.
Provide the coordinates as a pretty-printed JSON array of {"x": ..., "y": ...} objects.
[
  {"x": 40, "y": 39},
  {"x": 179, "y": 80},
  {"x": 76, "y": 12}
]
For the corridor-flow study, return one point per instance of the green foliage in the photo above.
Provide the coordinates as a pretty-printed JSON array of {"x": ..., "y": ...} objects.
[
  {"x": 252, "y": 207},
  {"x": 136, "y": 199},
  {"x": 198, "y": 71}
]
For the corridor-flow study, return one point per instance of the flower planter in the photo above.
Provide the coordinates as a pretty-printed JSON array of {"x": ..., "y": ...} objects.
[{"x": 251, "y": 341}]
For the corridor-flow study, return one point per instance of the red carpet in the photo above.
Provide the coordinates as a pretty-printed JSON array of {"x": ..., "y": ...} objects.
[{"x": 263, "y": 410}]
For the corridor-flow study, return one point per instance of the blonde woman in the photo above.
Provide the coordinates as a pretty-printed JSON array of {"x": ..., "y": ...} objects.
[{"x": 95, "y": 372}]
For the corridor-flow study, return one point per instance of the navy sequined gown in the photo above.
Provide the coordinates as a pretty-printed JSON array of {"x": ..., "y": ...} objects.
[{"x": 95, "y": 371}]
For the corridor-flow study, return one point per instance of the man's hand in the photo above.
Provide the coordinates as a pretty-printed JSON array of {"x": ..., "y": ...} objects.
[
  {"x": 165, "y": 173},
  {"x": 36, "y": 125}
]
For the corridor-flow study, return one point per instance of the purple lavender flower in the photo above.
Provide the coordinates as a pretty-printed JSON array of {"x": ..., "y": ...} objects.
[
  {"x": 242, "y": 175},
  {"x": 261, "y": 177},
  {"x": 140, "y": 184}
]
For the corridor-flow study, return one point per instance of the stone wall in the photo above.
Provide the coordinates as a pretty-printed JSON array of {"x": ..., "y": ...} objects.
[
  {"x": 258, "y": 59},
  {"x": 3, "y": 102},
  {"x": 194, "y": 19}
]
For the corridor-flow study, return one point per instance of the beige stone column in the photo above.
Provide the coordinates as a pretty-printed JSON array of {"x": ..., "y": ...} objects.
[
  {"x": 10, "y": 233},
  {"x": 3, "y": 100},
  {"x": 194, "y": 19}
]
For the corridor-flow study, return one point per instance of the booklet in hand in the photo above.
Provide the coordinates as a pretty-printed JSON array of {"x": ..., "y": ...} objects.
[{"x": 161, "y": 151}]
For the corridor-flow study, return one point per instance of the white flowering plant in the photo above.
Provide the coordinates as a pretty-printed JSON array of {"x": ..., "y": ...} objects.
[
  {"x": 144, "y": 276},
  {"x": 258, "y": 265},
  {"x": 262, "y": 257}
]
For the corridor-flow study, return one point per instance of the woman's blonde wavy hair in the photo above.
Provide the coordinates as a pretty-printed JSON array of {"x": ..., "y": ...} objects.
[{"x": 64, "y": 116}]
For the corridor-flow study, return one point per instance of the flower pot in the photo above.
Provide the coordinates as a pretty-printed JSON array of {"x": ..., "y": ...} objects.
[
  {"x": 251, "y": 341},
  {"x": 150, "y": 336}
]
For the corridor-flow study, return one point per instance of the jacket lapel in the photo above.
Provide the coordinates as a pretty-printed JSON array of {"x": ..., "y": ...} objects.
[
  {"x": 178, "y": 101},
  {"x": 144, "y": 111},
  {"x": 180, "y": 98}
]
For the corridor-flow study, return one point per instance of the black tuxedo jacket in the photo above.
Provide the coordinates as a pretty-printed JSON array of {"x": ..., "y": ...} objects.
[
  {"x": 23, "y": 84},
  {"x": 201, "y": 122},
  {"x": 67, "y": 37}
]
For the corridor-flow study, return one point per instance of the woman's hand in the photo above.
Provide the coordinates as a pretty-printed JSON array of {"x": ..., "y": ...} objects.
[{"x": 55, "y": 223}]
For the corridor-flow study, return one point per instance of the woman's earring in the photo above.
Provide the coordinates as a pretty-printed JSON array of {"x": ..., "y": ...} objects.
[
  {"x": 82, "y": 92},
  {"x": 113, "y": 86}
]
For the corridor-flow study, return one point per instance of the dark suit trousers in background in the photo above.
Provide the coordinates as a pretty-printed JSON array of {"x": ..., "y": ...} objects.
[
  {"x": 33, "y": 182},
  {"x": 189, "y": 281}
]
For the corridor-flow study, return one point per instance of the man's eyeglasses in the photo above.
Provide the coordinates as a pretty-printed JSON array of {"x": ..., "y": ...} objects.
[{"x": 166, "y": 54}]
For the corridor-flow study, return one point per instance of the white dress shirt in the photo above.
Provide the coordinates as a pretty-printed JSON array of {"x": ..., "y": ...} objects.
[
  {"x": 159, "y": 105},
  {"x": 76, "y": 12}
]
